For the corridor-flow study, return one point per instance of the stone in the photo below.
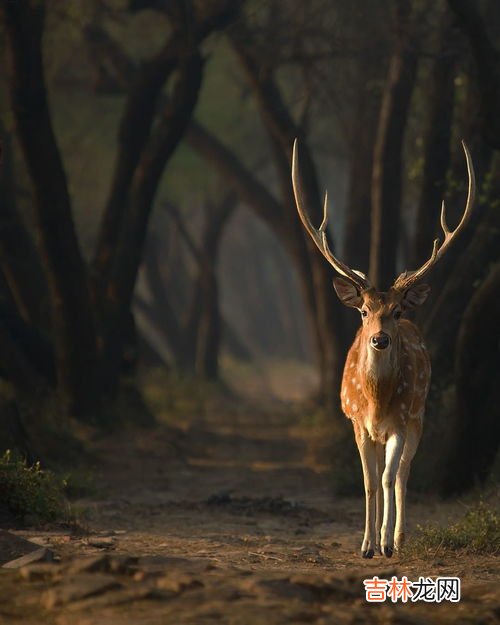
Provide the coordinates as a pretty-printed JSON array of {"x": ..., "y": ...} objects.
[
  {"x": 39, "y": 555},
  {"x": 101, "y": 542},
  {"x": 13, "y": 547}
]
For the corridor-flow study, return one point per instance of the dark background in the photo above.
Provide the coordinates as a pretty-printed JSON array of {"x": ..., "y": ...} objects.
[{"x": 147, "y": 219}]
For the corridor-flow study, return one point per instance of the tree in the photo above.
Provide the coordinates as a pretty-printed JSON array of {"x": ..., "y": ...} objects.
[
  {"x": 194, "y": 337},
  {"x": 90, "y": 314},
  {"x": 73, "y": 322},
  {"x": 487, "y": 59},
  {"x": 387, "y": 158}
]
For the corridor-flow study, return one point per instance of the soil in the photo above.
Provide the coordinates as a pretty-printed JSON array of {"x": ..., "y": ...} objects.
[{"x": 229, "y": 520}]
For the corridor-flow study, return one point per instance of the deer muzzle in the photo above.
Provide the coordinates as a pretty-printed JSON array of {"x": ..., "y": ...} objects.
[{"x": 380, "y": 341}]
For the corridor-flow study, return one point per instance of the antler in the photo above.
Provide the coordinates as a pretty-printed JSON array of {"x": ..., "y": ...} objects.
[
  {"x": 319, "y": 236},
  {"x": 408, "y": 278}
]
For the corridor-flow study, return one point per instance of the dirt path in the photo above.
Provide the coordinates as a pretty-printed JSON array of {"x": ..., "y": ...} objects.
[{"x": 227, "y": 523}]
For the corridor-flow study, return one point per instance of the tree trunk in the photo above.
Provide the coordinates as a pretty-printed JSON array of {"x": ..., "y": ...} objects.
[
  {"x": 453, "y": 297},
  {"x": 145, "y": 183},
  {"x": 477, "y": 379},
  {"x": 19, "y": 259},
  {"x": 72, "y": 320},
  {"x": 287, "y": 227},
  {"x": 144, "y": 99},
  {"x": 437, "y": 136},
  {"x": 209, "y": 323},
  {"x": 487, "y": 59},
  {"x": 387, "y": 159},
  {"x": 356, "y": 248},
  {"x": 134, "y": 132},
  {"x": 276, "y": 118}
]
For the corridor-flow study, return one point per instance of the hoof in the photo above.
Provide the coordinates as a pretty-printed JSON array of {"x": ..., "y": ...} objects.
[
  {"x": 387, "y": 551},
  {"x": 367, "y": 554}
]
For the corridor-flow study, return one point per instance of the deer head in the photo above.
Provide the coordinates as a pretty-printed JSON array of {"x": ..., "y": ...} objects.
[{"x": 380, "y": 311}]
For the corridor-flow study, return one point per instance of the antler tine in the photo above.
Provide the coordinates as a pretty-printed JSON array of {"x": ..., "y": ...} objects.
[
  {"x": 407, "y": 278},
  {"x": 319, "y": 235}
]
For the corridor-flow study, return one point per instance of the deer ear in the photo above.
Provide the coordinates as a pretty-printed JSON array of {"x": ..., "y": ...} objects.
[
  {"x": 348, "y": 293},
  {"x": 414, "y": 296}
]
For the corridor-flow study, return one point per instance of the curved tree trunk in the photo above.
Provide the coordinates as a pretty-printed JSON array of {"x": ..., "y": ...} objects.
[
  {"x": 286, "y": 225},
  {"x": 437, "y": 136},
  {"x": 477, "y": 379},
  {"x": 328, "y": 319},
  {"x": 19, "y": 259},
  {"x": 453, "y": 297},
  {"x": 487, "y": 59},
  {"x": 356, "y": 248},
  {"x": 72, "y": 317},
  {"x": 387, "y": 158}
]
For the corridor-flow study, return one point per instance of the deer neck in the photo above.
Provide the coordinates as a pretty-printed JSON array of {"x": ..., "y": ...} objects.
[{"x": 379, "y": 373}]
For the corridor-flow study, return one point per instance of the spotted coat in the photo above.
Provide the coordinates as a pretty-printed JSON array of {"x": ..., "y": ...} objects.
[{"x": 404, "y": 390}]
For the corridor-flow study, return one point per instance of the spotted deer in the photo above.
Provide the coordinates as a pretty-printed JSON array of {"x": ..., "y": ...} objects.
[{"x": 386, "y": 375}]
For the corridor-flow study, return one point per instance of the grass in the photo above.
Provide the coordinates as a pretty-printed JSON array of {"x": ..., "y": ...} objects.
[
  {"x": 478, "y": 532},
  {"x": 34, "y": 495}
]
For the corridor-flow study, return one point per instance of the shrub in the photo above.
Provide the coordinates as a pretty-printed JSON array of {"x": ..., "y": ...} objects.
[
  {"x": 31, "y": 492},
  {"x": 478, "y": 532}
]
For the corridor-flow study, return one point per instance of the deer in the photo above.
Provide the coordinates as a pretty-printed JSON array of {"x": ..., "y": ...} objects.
[{"x": 387, "y": 372}]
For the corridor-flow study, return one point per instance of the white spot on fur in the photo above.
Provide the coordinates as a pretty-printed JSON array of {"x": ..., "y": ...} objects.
[
  {"x": 347, "y": 401},
  {"x": 355, "y": 407}
]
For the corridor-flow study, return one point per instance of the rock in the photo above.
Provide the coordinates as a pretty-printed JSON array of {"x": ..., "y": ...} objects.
[
  {"x": 101, "y": 542},
  {"x": 13, "y": 547},
  {"x": 39, "y": 555},
  {"x": 78, "y": 587}
]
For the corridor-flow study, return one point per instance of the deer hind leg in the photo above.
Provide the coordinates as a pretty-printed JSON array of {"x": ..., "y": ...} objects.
[
  {"x": 413, "y": 434},
  {"x": 380, "y": 451},
  {"x": 367, "y": 452},
  {"x": 393, "y": 451}
]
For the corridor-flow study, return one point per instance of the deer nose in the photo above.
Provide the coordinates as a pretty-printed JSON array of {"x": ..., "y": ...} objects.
[{"x": 381, "y": 340}]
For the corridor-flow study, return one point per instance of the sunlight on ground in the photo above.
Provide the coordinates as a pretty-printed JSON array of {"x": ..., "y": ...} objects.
[{"x": 282, "y": 380}]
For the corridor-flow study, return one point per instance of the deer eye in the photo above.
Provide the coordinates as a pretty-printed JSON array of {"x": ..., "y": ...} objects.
[
  {"x": 364, "y": 313},
  {"x": 397, "y": 314}
]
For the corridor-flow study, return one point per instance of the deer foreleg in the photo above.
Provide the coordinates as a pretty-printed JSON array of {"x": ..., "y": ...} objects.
[
  {"x": 414, "y": 432},
  {"x": 380, "y": 493},
  {"x": 393, "y": 451},
  {"x": 367, "y": 452}
]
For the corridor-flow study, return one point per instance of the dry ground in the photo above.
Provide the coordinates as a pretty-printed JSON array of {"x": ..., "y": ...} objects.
[{"x": 229, "y": 520}]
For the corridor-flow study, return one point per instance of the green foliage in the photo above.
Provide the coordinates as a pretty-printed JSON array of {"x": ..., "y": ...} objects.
[
  {"x": 478, "y": 532},
  {"x": 31, "y": 492}
]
